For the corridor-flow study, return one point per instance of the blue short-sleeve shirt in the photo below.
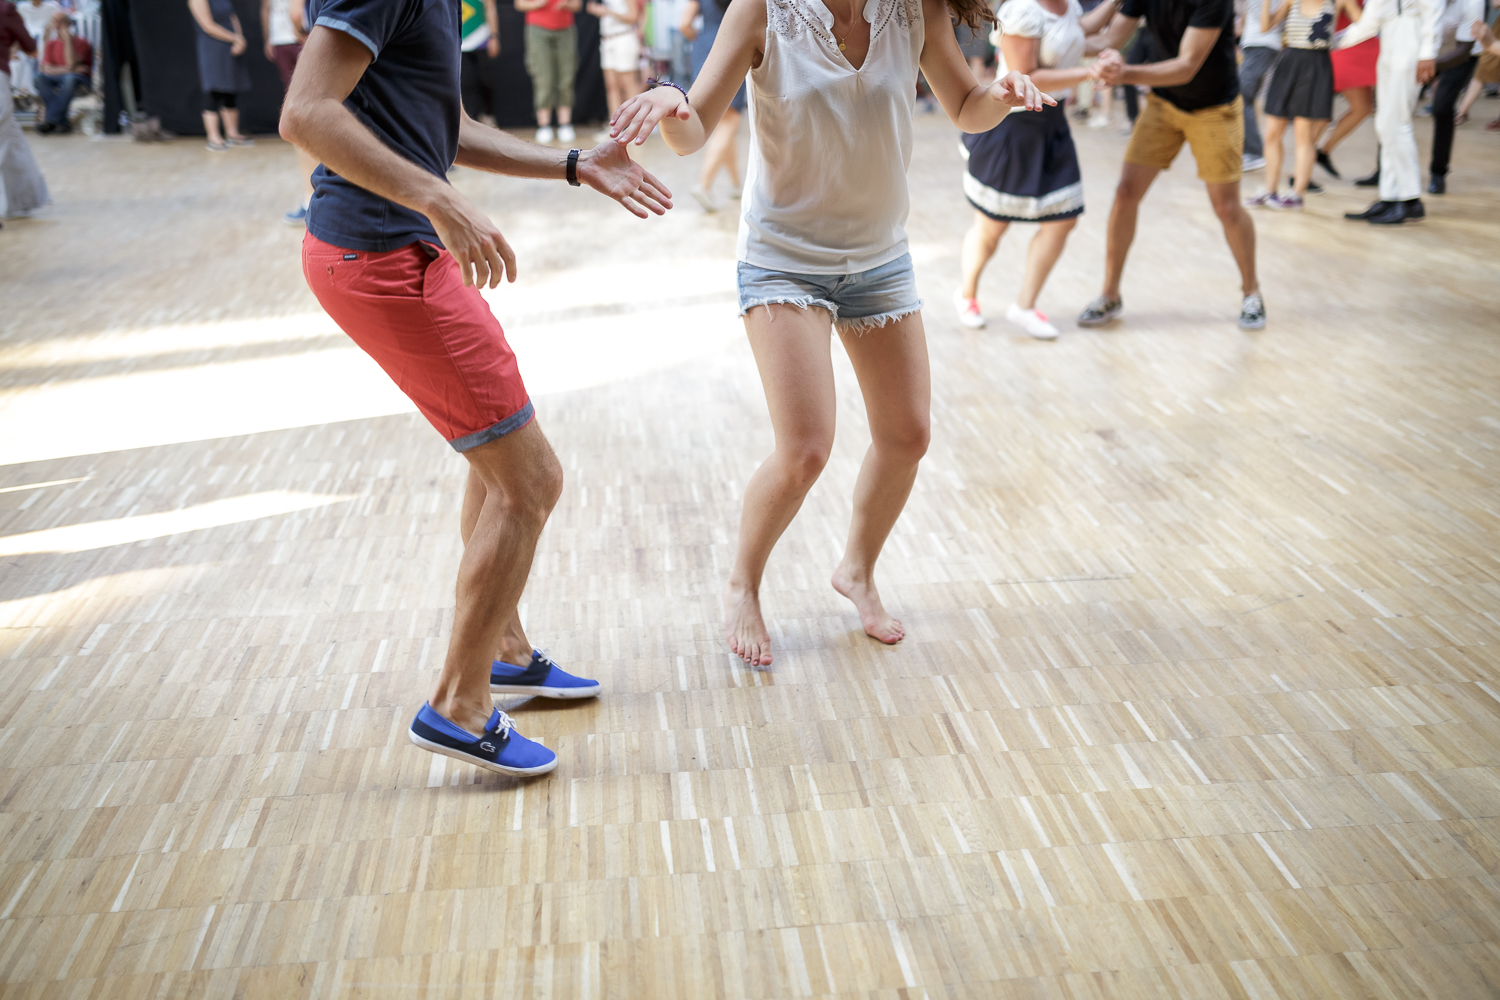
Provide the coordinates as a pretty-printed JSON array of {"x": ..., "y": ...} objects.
[{"x": 409, "y": 97}]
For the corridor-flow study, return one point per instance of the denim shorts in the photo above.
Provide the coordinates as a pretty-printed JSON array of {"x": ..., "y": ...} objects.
[{"x": 856, "y": 302}]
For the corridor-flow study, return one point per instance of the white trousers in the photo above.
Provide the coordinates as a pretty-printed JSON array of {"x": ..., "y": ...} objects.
[
  {"x": 1396, "y": 91},
  {"x": 22, "y": 187}
]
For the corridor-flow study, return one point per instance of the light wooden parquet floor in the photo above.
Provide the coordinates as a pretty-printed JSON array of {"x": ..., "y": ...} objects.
[{"x": 1201, "y": 697}]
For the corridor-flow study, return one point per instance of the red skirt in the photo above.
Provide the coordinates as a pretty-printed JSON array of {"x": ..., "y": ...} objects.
[{"x": 1355, "y": 67}]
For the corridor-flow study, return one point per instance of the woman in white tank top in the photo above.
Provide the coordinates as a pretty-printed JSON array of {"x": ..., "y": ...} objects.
[{"x": 822, "y": 242}]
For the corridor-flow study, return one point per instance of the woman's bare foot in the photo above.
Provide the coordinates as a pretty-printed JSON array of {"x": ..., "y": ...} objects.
[
  {"x": 744, "y": 627},
  {"x": 878, "y": 623}
]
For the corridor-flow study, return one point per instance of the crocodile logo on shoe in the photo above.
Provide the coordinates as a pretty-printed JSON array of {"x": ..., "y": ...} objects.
[{"x": 487, "y": 747}]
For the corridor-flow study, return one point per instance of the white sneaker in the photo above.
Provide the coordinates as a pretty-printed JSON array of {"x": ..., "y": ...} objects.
[
  {"x": 565, "y": 133},
  {"x": 1033, "y": 321},
  {"x": 544, "y": 134},
  {"x": 1098, "y": 121},
  {"x": 969, "y": 313},
  {"x": 1248, "y": 162}
]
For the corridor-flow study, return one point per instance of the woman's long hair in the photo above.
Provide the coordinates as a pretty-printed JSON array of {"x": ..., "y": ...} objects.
[{"x": 974, "y": 13}]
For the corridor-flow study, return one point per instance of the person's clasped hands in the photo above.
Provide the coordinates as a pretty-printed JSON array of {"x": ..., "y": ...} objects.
[{"x": 1107, "y": 67}]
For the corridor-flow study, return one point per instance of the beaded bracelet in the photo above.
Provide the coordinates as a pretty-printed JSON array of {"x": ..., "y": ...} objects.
[{"x": 652, "y": 83}]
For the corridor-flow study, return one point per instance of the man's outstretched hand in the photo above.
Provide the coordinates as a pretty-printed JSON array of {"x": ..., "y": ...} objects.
[{"x": 608, "y": 169}]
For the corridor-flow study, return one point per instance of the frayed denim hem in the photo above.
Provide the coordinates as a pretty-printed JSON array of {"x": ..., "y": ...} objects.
[
  {"x": 864, "y": 324},
  {"x": 799, "y": 301}
]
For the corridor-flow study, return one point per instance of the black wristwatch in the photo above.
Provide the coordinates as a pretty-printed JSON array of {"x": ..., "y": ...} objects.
[{"x": 573, "y": 167}]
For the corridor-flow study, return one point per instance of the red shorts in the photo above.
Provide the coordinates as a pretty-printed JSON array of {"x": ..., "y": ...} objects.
[{"x": 409, "y": 310}]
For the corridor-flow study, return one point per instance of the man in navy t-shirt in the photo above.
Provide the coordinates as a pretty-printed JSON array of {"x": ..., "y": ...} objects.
[
  {"x": 1195, "y": 99},
  {"x": 397, "y": 258}
]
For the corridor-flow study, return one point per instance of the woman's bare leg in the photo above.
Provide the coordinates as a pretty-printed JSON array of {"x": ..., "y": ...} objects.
[
  {"x": 232, "y": 123},
  {"x": 1361, "y": 106},
  {"x": 720, "y": 152},
  {"x": 1306, "y": 131},
  {"x": 1046, "y": 246},
  {"x": 1275, "y": 131},
  {"x": 211, "y": 126},
  {"x": 980, "y": 243},
  {"x": 891, "y": 362},
  {"x": 793, "y": 352},
  {"x": 1470, "y": 96}
]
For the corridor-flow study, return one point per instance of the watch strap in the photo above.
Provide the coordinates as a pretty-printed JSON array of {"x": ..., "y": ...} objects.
[{"x": 573, "y": 167}]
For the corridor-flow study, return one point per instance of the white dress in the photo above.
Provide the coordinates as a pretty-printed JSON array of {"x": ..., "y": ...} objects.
[{"x": 825, "y": 192}]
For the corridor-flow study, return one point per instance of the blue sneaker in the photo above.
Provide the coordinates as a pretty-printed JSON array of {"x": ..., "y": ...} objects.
[
  {"x": 501, "y": 748},
  {"x": 296, "y": 217},
  {"x": 541, "y": 678}
]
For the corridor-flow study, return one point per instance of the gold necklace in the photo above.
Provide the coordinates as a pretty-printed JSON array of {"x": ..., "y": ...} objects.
[{"x": 845, "y": 39}]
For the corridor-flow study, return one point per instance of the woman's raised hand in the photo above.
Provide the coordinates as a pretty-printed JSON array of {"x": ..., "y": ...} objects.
[
  {"x": 1016, "y": 90},
  {"x": 638, "y": 116}
]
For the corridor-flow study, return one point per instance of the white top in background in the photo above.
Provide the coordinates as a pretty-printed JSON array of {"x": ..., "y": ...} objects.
[
  {"x": 1061, "y": 42},
  {"x": 282, "y": 32},
  {"x": 1252, "y": 37},
  {"x": 615, "y": 23},
  {"x": 825, "y": 191}
]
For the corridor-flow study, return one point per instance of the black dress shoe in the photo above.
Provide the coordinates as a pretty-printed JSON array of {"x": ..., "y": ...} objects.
[
  {"x": 1398, "y": 212},
  {"x": 1368, "y": 182},
  {"x": 1376, "y": 208},
  {"x": 42, "y": 128},
  {"x": 1326, "y": 162},
  {"x": 1438, "y": 184}
]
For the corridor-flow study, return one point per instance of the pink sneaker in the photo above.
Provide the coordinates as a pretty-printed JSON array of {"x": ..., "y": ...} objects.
[{"x": 1285, "y": 202}]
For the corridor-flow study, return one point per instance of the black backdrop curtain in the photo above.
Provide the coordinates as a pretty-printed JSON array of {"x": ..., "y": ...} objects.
[{"x": 165, "y": 40}]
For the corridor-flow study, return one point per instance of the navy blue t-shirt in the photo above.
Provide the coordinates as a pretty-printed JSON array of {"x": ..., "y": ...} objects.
[{"x": 409, "y": 96}]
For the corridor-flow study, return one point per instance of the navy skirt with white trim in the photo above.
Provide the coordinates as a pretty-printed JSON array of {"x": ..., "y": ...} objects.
[{"x": 1025, "y": 169}]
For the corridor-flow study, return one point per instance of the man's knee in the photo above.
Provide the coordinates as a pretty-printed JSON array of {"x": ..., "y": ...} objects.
[{"x": 1227, "y": 204}]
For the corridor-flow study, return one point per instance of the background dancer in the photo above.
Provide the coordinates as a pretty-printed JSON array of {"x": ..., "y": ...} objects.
[
  {"x": 284, "y": 25},
  {"x": 619, "y": 51},
  {"x": 1456, "y": 59},
  {"x": 1026, "y": 168},
  {"x": 397, "y": 258},
  {"x": 822, "y": 240},
  {"x": 720, "y": 152},
  {"x": 1354, "y": 77},
  {"x": 1408, "y": 53},
  {"x": 221, "y": 71},
  {"x": 1301, "y": 90},
  {"x": 22, "y": 187},
  {"x": 1195, "y": 98},
  {"x": 1259, "y": 49}
]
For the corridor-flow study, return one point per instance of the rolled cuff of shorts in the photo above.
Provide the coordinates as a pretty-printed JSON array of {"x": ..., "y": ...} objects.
[{"x": 514, "y": 422}]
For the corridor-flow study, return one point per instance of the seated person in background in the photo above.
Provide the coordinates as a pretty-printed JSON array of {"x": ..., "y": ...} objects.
[{"x": 67, "y": 65}]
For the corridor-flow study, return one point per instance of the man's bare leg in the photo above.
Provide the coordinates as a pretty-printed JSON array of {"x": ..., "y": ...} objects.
[
  {"x": 521, "y": 480},
  {"x": 1135, "y": 181},
  {"x": 513, "y": 646},
  {"x": 793, "y": 352},
  {"x": 1239, "y": 230},
  {"x": 891, "y": 362}
]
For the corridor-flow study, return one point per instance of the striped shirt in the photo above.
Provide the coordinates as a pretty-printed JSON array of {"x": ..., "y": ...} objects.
[{"x": 1303, "y": 32}]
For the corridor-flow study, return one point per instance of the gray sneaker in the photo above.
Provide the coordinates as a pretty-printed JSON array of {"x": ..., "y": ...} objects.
[
  {"x": 1252, "y": 312},
  {"x": 1101, "y": 311}
]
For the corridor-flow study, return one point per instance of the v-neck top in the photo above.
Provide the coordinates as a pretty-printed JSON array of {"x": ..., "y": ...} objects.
[{"x": 825, "y": 192}]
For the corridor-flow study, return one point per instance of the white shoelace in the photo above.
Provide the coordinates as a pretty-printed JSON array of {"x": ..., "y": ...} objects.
[{"x": 504, "y": 724}]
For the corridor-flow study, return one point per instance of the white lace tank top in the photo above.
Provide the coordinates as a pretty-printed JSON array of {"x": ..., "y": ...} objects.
[{"x": 825, "y": 192}]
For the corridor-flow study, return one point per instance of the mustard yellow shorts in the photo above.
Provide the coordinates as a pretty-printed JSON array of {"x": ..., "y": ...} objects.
[{"x": 1216, "y": 134}]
